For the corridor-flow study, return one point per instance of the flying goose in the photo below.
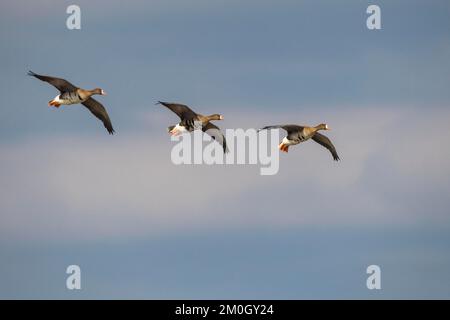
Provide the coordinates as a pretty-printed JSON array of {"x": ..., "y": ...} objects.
[
  {"x": 298, "y": 134},
  {"x": 191, "y": 121},
  {"x": 70, "y": 94}
]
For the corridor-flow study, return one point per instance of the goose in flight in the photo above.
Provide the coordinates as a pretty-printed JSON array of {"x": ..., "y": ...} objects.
[
  {"x": 70, "y": 94},
  {"x": 191, "y": 121},
  {"x": 298, "y": 134}
]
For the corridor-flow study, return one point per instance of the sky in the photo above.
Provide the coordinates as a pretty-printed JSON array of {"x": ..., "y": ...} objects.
[{"x": 141, "y": 227}]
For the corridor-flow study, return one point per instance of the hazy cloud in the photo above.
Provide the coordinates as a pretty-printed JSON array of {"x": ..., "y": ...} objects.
[{"x": 127, "y": 186}]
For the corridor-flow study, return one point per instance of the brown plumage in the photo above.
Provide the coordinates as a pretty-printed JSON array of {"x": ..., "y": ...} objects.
[
  {"x": 298, "y": 134},
  {"x": 70, "y": 94},
  {"x": 191, "y": 120}
]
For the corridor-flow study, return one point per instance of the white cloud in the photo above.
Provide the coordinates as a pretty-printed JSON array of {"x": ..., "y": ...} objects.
[{"x": 126, "y": 186}]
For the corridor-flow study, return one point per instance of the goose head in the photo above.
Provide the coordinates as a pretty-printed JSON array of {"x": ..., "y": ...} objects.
[
  {"x": 323, "y": 126},
  {"x": 215, "y": 117},
  {"x": 98, "y": 91}
]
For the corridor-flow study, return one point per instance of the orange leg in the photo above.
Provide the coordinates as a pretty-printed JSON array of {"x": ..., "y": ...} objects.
[
  {"x": 280, "y": 146},
  {"x": 283, "y": 147},
  {"x": 54, "y": 104}
]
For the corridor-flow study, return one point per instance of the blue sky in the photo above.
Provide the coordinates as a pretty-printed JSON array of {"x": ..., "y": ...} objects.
[{"x": 71, "y": 194}]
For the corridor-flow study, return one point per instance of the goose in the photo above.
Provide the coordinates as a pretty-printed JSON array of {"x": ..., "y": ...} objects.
[
  {"x": 191, "y": 121},
  {"x": 298, "y": 134},
  {"x": 70, "y": 94}
]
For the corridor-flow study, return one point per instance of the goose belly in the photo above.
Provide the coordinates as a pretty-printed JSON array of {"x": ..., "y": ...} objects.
[
  {"x": 303, "y": 138},
  {"x": 288, "y": 142},
  {"x": 68, "y": 98},
  {"x": 191, "y": 125}
]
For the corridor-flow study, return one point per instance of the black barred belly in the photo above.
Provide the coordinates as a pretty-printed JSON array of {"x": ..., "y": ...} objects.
[{"x": 70, "y": 98}]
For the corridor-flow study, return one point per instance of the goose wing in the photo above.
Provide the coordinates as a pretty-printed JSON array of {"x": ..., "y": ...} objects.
[
  {"x": 216, "y": 134},
  {"x": 290, "y": 128},
  {"x": 324, "y": 141},
  {"x": 181, "y": 110},
  {"x": 60, "y": 84},
  {"x": 99, "y": 111}
]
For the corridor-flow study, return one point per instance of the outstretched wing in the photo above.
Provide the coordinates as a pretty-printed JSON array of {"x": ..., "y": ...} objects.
[
  {"x": 181, "y": 110},
  {"x": 290, "y": 128},
  {"x": 99, "y": 111},
  {"x": 216, "y": 134},
  {"x": 324, "y": 141},
  {"x": 60, "y": 84}
]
